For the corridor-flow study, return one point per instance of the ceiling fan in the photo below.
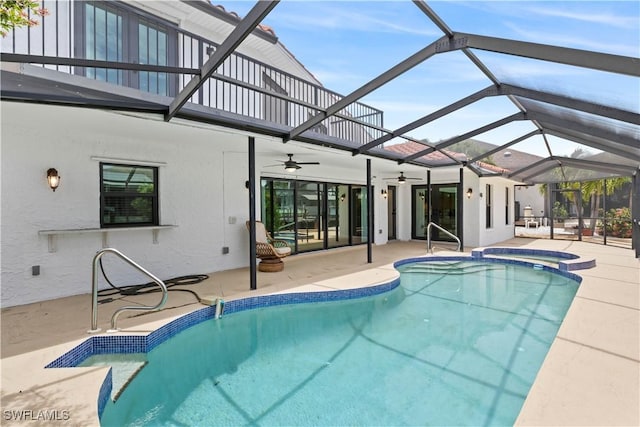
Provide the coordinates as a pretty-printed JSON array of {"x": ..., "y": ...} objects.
[
  {"x": 292, "y": 166},
  {"x": 402, "y": 179}
]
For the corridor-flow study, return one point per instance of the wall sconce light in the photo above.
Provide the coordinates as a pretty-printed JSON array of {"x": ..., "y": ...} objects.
[
  {"x": 53, "y": 178},
  {"x": 342, "y": 197},
  {"x": 421, "y": 195},
  {"x": 384, "y": 193},
  {"x": 469, "y": 192}
]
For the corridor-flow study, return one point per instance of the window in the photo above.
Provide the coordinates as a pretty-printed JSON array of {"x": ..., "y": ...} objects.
[
  {"x": 128, "y": 195},
  {"x": 118, "y": 33},
  {"x": 103, "y": 40},
  {"x": 488, "y": 197},
  {"x": 152, "y": 49},
  {"x": 506, "y": 205}
]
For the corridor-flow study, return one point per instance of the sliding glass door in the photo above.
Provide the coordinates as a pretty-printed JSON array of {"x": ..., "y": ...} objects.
[
  {"x": 314, "y": 215},
  {"x": 440, "y": 208}
]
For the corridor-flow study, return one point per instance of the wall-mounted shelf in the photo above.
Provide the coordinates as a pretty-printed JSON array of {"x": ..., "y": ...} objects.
[{"x": 51, "y": 234}]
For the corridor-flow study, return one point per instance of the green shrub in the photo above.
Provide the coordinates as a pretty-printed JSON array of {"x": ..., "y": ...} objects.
[{"x": 619, "y": 222}]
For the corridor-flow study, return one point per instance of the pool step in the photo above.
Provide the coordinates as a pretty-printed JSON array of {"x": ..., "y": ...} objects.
[
  {"x": 458, "y": 267},
  {"x": 124, "y": 368}
]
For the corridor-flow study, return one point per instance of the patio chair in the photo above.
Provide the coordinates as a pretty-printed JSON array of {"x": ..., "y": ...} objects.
[{"x": 269, "y": 250}]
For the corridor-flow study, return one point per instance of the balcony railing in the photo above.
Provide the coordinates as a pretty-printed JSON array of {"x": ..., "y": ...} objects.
[{"x": 241, "y": 85}]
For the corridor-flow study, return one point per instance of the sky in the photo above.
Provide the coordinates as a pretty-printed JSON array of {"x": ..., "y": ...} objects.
[{"x": 345, "y": 44}]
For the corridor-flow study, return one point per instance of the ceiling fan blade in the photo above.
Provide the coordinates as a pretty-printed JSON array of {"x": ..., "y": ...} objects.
[{"x": 308, "y": 163}]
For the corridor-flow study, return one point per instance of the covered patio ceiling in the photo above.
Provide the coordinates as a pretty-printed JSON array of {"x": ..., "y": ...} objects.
[{"x": 537, "y": 110}]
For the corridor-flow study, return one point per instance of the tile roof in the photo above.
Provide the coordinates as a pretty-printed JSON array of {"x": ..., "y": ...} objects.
[
  {"x": 437, "y": 157},
  {"x": 505, "y": 161},
  {"x": 263, "y": 27}
]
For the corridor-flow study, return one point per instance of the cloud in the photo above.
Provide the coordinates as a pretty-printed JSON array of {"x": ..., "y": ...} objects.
[
  {"x": 545, "y": 37},
  {"x": 344, "y": 77},
  {"x": 595, "y": 17},
  {"x": 352, "y": 16}
]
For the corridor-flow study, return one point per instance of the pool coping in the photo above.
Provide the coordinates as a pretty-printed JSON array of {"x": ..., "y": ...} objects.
[{"x": 569, "y": 262}]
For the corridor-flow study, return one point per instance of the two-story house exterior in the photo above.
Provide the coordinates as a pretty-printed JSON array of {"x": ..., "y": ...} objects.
[{"x": 173, "y": 194}]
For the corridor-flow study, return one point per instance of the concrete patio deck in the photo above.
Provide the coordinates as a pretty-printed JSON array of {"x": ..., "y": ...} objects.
[{"x": 591, "y": 375}]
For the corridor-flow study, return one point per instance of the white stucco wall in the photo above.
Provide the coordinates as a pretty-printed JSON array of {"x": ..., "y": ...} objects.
[
  {"x": 476, "y": 233},
  {"x": 201, "y": 181},
  {"x": 499, "y": 230},
  {"x": 202, "y": 175},
  {"x": 530, "y": 196},
  {"x": 471, "y": 221}
]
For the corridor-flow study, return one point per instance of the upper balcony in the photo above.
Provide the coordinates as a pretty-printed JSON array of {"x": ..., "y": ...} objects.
[{"x": 114, "y": 43}]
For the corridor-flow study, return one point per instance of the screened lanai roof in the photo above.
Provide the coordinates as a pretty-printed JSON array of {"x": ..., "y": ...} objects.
[{"x": 540, "y": 85}]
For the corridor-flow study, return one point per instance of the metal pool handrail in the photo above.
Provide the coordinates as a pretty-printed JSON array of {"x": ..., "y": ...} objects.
[
  {"x": 94, "y": 291},
  {"x": 429, "y": 248}
]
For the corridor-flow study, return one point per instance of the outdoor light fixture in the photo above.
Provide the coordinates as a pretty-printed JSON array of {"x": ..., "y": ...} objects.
[
  {"x": 342, "y": 197},
  {"x": 421, "y": 195},
  {"x": 53, "y": 178},
  {"x": 384, "y": 193},
  {"x": 469, "y": 192}
]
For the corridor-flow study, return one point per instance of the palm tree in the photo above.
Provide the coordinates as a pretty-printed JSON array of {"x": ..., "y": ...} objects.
[{"x": 594, "y": 190}]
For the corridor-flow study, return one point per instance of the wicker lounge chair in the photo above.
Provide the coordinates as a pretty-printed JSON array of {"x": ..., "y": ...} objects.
[{"x": 269, "y": 250}]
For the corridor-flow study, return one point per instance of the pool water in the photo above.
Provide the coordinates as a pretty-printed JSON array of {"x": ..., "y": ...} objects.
[{"x": 457, "y": 343}]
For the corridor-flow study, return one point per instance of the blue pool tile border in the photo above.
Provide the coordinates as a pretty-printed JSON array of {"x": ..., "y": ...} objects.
[
  {"x": 569, "y": 261},
  {"x": 563, "y": 273},
  {"x": 105, "y": 392},
  {"x": 109, "y": 344}
]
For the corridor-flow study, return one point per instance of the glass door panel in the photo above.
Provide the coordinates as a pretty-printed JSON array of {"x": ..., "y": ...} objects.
[
  {"x": 309, "y": 219},
  {"x": 358, "y": 205},
  {"x": 444, "y": 198},
  {"x": 278, "y": 209},
  {"x": 420, "y": 198},
  {"x": 338, "y": 215},
  {"x": 391, "y": 212}
]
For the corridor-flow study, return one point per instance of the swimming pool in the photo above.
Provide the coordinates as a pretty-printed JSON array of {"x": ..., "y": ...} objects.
[{"x": 458, "y": 342}]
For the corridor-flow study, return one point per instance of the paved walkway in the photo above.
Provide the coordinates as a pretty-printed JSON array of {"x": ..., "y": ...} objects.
[{"x": 591, "y": 375}]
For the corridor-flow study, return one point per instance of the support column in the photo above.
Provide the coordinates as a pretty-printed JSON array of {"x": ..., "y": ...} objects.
[
  {"x": 604, "y": 211},
  {"x": 635, "y": 214},
  {"x": 369, "y": 214},
  {"x": 550, "y": 194},
  {"x": 253, "y": 279},
  {"x": 460, "y": 209}
]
